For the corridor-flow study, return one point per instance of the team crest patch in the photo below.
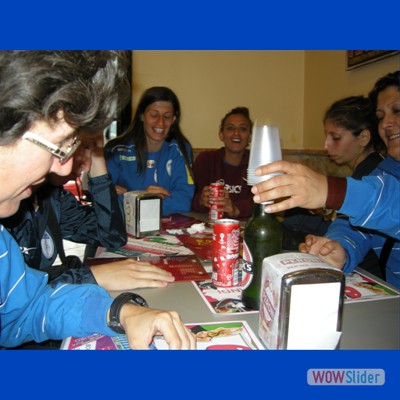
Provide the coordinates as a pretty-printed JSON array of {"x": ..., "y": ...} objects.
[{"x": 47, "y": 245}]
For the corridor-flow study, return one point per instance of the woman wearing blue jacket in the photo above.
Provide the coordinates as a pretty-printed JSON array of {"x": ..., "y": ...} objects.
[
  {"x": 153, "y": 154},
  {"x": 372, "y": 203},
  {"x": 46, "y": 99}
]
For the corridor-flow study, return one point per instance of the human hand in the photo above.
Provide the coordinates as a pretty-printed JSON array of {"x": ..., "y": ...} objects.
[
  {"x": 226, "y": 204},
  {"x": 96, "y": 145},
  {"x": 158, "y": 190},
  {"x": 120, "y": 189},
  {"x": 205, "y": 197},
  {"x": 299, "y": 186},
  {"x": 327, "y": 249},
  {"x": 130, "y": 274},
  {"x": 141, "y": 324}
]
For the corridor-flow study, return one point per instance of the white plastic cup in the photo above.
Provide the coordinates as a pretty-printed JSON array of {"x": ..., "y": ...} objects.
[{"x": 265, "y": 148}]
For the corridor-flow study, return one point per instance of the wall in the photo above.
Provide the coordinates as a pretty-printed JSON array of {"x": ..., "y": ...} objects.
[
  {"x": 211, "y": 83},
  {"x": 291, "y": 89}
]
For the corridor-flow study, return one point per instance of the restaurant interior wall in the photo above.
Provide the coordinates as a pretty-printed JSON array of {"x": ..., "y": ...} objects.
[
  {"x": 291, "y": 89},
  {"x": 210, "y": 83}
]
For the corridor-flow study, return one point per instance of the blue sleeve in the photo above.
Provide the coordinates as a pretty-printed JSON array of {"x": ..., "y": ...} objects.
[
  {"x": 32, "y": 310},
  {"x": 101, "y": 223},
  {"x": 113, "y": 165},
  {"x": 356, "y": 242},
  {"x": 181, "y": 187},
  {"x": 373, "y": 203}
]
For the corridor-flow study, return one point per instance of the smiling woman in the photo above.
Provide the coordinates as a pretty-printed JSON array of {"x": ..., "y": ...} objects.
[
  {"x": 228, "y": 164},
  {"x": 153, "y": 154}
]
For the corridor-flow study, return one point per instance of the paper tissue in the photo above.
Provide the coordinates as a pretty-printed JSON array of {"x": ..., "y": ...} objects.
[
  {"x": 142, "y": 213},
  {"x": 301, "y": 302}
]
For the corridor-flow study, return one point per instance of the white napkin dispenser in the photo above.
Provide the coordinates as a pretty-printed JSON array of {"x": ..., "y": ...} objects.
[
  {"x": 142, "y": 213},
  {"x": 301, "y": 303}
]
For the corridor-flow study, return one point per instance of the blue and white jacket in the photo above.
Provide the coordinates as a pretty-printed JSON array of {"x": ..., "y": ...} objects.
[
  {"x": 168, "y": 170},
  {"x": 373, "y": 207},
  {"x": 32, "y": 310},
  {"x": 100, "y": 224}
]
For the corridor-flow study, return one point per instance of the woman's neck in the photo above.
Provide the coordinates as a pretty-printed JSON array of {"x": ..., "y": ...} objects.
[
  {"x": 153, "y": 146},
  {"x": 360, "y": 158}
]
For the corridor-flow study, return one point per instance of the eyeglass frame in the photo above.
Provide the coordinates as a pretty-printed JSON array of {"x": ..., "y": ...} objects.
[{"x": 62, "y": 155}]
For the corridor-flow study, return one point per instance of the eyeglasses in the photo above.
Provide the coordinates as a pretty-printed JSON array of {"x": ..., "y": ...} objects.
[{"x": 63, "y": 154}]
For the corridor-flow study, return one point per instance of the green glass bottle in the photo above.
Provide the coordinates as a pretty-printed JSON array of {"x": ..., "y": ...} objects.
[{"x": 262, "y": 238}]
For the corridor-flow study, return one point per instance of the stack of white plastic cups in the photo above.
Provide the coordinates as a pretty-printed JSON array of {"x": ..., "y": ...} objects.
[{"x": 265, "y": 148}]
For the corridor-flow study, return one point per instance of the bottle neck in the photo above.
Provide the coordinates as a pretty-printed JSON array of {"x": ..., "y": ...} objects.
[{"x": 258, "y": 209}]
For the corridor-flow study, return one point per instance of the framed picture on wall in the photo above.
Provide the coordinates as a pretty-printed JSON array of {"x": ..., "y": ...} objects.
[{"x": 357, "y": 58}]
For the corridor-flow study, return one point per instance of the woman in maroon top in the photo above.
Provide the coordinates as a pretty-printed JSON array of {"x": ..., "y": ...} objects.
[{"x": 229, "y": 164}]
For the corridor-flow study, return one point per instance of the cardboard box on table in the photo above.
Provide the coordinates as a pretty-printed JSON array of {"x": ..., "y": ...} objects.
[{"x": 301, "y": 302}]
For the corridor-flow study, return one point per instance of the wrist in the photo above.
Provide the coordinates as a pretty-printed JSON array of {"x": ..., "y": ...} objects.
[{"x": 116, "y": 311}]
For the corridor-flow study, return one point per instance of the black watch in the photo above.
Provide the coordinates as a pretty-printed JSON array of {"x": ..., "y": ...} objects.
[{"x": 116, "y": 306}]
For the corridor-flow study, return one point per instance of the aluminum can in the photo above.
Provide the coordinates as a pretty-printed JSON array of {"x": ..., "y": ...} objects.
[
  {"x": 225, "y": 268},
  {"x": 216, "y": 190}
]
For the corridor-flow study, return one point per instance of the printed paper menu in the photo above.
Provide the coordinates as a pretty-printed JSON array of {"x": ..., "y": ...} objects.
[
  {"x": 232, "y": 335},
  {"x": 222, "y": 300},
  {"x": 360, "y": 287}
]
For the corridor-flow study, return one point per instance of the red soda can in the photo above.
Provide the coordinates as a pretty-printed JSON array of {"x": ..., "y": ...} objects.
[
  {"x": 216, "y": 190},
  {"x": 225, "y": 269}
]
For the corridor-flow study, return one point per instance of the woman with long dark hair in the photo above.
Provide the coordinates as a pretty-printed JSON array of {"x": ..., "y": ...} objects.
[{"x": 153, "y": 154}]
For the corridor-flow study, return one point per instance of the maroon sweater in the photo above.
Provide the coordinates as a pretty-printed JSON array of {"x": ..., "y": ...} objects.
[{"x": 210, "y": 167}]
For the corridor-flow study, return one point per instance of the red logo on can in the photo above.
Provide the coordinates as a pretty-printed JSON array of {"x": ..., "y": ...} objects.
[
  {"x": 226, "y": 236},
  {"x": 216, "y": 190}
]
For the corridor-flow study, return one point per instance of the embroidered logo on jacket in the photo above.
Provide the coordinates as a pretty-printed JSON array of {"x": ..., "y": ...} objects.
[{"x": 47, "y": 245}]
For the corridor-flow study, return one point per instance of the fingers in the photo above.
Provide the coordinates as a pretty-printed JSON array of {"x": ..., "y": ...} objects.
[
  {"x": 120, "y": 189},
  {"x": 277, "y": 166},
  {"x": 144, "y": 270},
  {"x": 177, "y": 335},
  {"x": 158, "y": 190},
  {"x": 141, "y": 325}
]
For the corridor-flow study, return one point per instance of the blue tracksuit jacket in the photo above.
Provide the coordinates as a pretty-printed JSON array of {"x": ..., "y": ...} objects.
[
  {"x": 168, "y": 170},
  {"x": 373, "y": 207}
]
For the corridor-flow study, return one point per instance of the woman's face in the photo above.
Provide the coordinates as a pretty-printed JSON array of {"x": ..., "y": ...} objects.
[
  {"x": 25, "y": 164},
  {"x": 388, "y": 114},
  {"x": 235, "y": 133},
  {"x": 157, "y": 121},
  {"x": 342, "y": 146}
]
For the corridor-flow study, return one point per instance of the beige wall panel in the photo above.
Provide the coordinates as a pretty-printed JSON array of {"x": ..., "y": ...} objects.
[
  {"x": 210, "y": 83},
  {"x": 291, "y": 89}
]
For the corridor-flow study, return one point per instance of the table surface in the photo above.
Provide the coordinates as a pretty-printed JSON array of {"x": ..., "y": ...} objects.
[{"x": 365, "y": 325}]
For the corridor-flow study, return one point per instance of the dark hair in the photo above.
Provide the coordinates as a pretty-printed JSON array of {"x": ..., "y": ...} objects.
[
  {"x": 355, "y": 114},
  {"x": 238, "y": 110},
  {"x": 90, "y": 87},
  {"x": 136, "y": 131},
  {"x": 390, "y": 79}
]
